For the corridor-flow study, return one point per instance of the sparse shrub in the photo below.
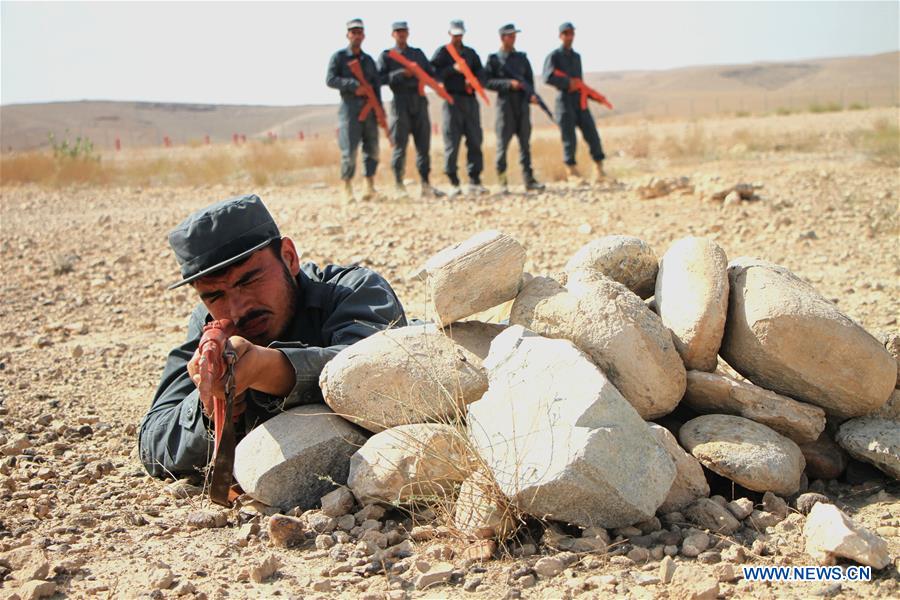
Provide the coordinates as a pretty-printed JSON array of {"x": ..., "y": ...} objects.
[
  {"x": 783, "y": 111},
  {"x": 815, "y": 107},
  {"x": 81, "y": 149}
]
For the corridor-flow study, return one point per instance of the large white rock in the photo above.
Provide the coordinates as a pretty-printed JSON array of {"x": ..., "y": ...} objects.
[
  {"x": 422, "y": 463},
  {"x": 745, "y": 452},
  {"x": 616, "y": 329},
  {"x": 623, "y": 258},
  {"x": 413, "y": 374},
  {"x": 474, "y": 275},
  {"x": 783, "y": 336},
  {"x": 295, "y": 458},
  {"x": 547, "y": 428},
  {"x": 712, "y": 393},
  {"x": 692, "y": 299},
  {"x": 690, "y": 482},
  {"x": 873, "y": 440},
  {"x": 830, "y": 534}
]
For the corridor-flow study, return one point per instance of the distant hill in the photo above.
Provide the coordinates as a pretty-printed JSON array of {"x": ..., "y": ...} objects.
[{"x": 685, "y": 92}]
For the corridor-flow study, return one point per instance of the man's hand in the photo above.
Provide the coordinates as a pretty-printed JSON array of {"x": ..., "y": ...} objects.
[
  {"x": 407, "y": 73},
  {"x": 259, "y": 368},
  {"x": 533, "y": 99},
  {"x": 360, "y": 91},
  {"x": 573, "y": 87},
  {"x": 515, "y": 84},
  {"x": 457, "y": 68}
]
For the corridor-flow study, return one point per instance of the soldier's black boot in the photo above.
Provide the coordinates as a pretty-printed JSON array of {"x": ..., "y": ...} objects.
[{"x": 532, "y": 184}]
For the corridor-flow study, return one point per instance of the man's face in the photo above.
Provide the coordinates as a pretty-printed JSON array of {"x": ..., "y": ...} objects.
[
  {"x": 400, "y": 36},
  {"x": 508, "y": 40},
  {"x": 260, "y": 295},
  {"x": 356, "y": 36},
  {"x": 456, "y": 40},
  {"x": 567, "y": 37}
]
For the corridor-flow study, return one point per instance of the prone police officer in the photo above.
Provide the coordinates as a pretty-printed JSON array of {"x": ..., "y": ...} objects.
[
  {"x": 352, "y": 131},
  {"x": 508, "y": 72},
  {"x": 569, "y": 113}
]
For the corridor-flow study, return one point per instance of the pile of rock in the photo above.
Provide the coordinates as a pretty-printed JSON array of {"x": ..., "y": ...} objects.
[{"x": 552, "y": 416}]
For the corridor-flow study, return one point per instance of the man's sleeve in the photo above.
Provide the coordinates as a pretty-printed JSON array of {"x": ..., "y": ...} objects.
[
  {"x": 390, "y": 76},
  {"x": 173, "y": 437},
  {"x": 363, "y": 304},
  {"x": 494, "y": 77},
  {"x": 443, "y": 64},
  {"x": 529, "y": 74},
  {"x": 560, "y": 83},
  {"x": 333, "y": 78}
]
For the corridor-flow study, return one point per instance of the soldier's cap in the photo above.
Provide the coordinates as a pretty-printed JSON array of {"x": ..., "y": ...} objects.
[
  {"x": 220, "y": 235},
  {"x": 399, "y": 25},
  {"x": 566, "y": 27},
  {"x": 457, "y": 27},
  {"x": 355, "y": 24},
  {"x": 508, "y": 28}
]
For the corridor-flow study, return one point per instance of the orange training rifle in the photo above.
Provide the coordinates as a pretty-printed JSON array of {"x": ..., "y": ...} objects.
[
  {"x": 467, "y": 72},
  {"x": 372, "y": 102},
  {"x": 585, "y": 90},
  {"x": 423, "y": 77},
  {"x": 217, "y": 361}
]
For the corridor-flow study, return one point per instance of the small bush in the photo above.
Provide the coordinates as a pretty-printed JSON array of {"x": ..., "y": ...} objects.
[
  {"x": 783, "y": 111},
  {"x": 815, "y": 107}
]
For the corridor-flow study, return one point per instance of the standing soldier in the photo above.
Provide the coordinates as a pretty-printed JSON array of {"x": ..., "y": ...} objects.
[
  {"x": 353, "y": 100},
  {"x": 569, "y": 113},
  {"x": 463, "y": 117},
  {"x": 508, "y": 73},
  {"x": 409, "y": 110}
]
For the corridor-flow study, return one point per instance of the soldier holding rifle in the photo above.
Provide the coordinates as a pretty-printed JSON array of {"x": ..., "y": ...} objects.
[
  {"x": 354, "y": 73},
  {"x": 407, "y": 75},
  {"x": 459, "y": 69},
  {"x": 562, "y": 70},
  {"x": 508, "y": 72}
]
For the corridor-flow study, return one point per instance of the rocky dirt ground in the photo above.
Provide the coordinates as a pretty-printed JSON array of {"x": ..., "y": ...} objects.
[{"x": 86, "y": 323}]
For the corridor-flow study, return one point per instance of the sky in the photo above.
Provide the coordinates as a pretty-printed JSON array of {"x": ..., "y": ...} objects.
[{"x": 276, "y": 53}]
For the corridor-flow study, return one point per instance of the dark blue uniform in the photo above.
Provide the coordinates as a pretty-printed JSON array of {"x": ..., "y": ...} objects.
[
  {"x": 351, "y": 129},
  {"x": 568, "y": 109},
  {"x": 409, "y": 112},
  {"x": 337, "y": 306},
  {"x": 463, "y": 117},
  {"x": 513, "y": 106}
]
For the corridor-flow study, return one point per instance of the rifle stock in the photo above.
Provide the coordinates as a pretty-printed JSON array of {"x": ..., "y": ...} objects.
[
  {"x": 467, "y": 73},
  {"x": 423, "y": 77},
  {"x": 372, "y": 102},
  {"x": 586, "y": 92}
]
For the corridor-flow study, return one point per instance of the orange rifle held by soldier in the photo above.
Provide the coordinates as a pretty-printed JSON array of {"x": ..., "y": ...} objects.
[
  {"x": 463, "y": 67},
  {"x": 372, "y": 102},
  {"x": 586, "y": 91},
  {"x": 420, "y": 74}
]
